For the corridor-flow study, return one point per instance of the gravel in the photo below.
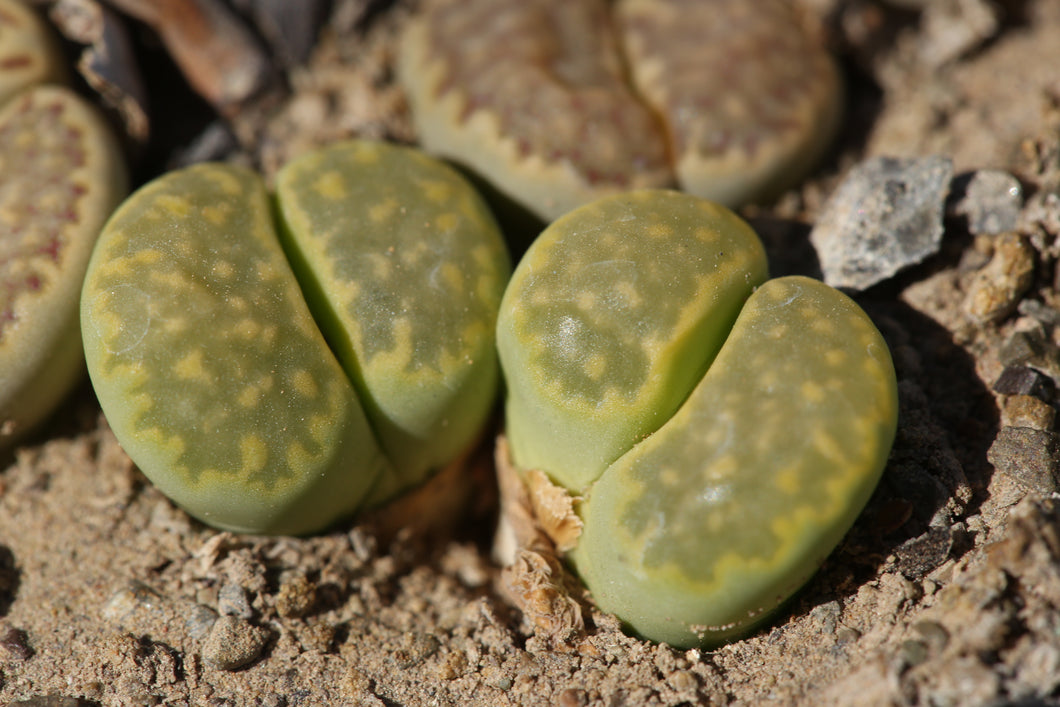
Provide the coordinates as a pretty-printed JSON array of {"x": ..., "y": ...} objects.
[{"x": 885, "y": 216}]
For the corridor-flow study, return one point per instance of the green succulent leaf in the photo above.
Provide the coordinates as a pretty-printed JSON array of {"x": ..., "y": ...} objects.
[
  {"x": 405, "y": 267},
  {"x": 209, "y": 366},
  {"x": 611, "y": 318},
  {"x": 704, "y": 528}
]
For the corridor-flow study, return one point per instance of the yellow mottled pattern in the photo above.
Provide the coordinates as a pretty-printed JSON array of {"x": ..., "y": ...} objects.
[
  {"x": 161, "y": 301},
  {"x": 331, "y": 185},
  {"x": 447, "y": 221},
  {"x": 409, "y": 268},
  {"x": 217, "y": 215},
  {"x": 190, "y": 367},
  {"x": 437, "y": 191},
  {"x": 223, "y": 270},
  {"x": 384, "y": 210},
  {"x": 609, "y": 320},
  {"x": 172, "y": 205},
  {"x": 596, "y": 367},
  {"x": 732, "y": 503},
  {"x": 304, "y": 384},
  {"x": 254, "y": 453}
]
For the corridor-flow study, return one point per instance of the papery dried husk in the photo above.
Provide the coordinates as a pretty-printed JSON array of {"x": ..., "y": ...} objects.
[{"x": 536, "y": 519}]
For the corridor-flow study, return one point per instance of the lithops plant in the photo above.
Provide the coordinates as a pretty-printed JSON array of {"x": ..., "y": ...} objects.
[
  {"x": 556, "y": 103},
  {"x": 271, "y": 369},
  {"x": 28, "y": 55},
  {"x": 61, "y": 174},
  {"x": 723, "y": 430}
]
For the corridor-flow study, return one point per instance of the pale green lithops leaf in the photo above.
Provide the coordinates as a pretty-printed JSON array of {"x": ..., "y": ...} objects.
[
  {"x": 703, "y": 529},
  {"x": 408, "y": 268},
  {"x": 611, "y": 318},
  {"x": 61, "y": 174},
  {"x": 209, "y": 366},
  {"x": 28, "y": 54},
  {"x": 723, "y": 434}
]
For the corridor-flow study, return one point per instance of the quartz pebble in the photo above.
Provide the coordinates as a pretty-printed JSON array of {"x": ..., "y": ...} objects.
[
  {"x": 198, "y": 620},
  {"x": 133, "y": 600},
  {"x": 1022, "y": 347},
  {"x": 885, "y": 216},
  {"x": 991, "y": 202},
  {"x": 1040, "y": 312}
]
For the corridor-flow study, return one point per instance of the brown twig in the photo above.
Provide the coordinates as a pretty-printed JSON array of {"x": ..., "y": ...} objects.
[{"x": 218, "y": 55}]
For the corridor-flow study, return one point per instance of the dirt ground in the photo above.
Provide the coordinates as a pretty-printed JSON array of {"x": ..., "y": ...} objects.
[{"x": 945, "y": 592}]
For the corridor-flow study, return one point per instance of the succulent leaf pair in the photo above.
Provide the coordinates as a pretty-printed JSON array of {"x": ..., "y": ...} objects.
[
  {"x": 557, "y": 103},
  {"x": 723, "y": 431},
  {"x": 273, "y": 365}
]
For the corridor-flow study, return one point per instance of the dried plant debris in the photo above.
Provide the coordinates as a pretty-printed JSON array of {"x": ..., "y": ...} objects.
[
  {"x": 536, "y": 517},
  {"x": 108, "y": 62},
  {"x": 218, "y": 54}
]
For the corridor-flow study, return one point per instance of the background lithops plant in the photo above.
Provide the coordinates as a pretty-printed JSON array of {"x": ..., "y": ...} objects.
[
  {"x": 61, "y": 174},
  {"x": 713, "y": 486},
  {"x": 205, "y": 352},
  {"x": 556, "y": 103},
  {"x": 28, "y": 55}
]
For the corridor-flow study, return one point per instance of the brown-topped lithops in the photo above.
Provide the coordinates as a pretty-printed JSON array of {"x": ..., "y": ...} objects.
[
  {"x": 204, "y": 348},
  {"x": 556, "y": 102},
  {"x": 28, "y": 55},
  {"x": 722, "y": 430},
  {"x": 61, "y": 174}
]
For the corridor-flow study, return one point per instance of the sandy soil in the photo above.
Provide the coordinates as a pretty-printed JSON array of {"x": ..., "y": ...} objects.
[{"x": 946, "y": 591}]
